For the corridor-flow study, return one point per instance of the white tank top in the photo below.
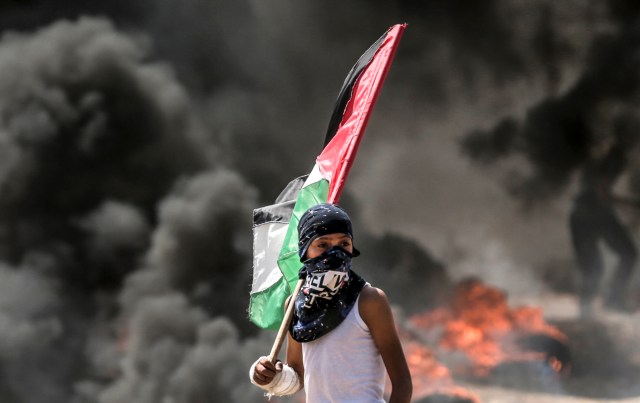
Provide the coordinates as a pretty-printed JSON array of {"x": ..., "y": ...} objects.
[{"x": 344, "y": 366}]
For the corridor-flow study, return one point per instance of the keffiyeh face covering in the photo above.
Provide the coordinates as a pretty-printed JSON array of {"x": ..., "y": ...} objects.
[
  {"x": 330, "y": 287},
  {"x": 325, "y": 276}
]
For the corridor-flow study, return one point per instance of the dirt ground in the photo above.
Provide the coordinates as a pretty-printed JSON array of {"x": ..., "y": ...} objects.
[{"x": 493, "y": 394}]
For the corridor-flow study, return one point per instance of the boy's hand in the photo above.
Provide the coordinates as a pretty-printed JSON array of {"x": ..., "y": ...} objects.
[{"x": 265, "y": 370}]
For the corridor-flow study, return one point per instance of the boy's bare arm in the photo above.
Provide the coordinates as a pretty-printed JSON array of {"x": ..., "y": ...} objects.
[{"x": 376, "y": 313}]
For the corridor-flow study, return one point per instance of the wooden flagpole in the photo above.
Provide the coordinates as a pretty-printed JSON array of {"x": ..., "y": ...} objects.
[{"x": 282, "y": 332}]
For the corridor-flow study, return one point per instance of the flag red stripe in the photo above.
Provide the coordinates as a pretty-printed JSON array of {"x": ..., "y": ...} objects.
[{"x": 337, "y": 157}]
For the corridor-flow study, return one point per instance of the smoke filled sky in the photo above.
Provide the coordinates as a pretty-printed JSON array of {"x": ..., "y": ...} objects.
[{"x": 137, "y": 136}]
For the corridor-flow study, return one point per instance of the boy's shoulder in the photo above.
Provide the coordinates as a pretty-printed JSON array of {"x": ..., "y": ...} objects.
[
  {"x": 372, "y": 297},
  {"x": 374, "y": 307}
]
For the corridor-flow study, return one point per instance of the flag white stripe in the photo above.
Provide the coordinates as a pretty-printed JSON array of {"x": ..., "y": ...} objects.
[{"x": 267, "y": 243}]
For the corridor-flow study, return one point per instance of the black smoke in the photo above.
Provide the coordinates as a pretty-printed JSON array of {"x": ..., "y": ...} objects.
[
  {"x": 137, "y": 136},
  {"x": 556, "y": 135},
  {"x": 122, "y": 242}
]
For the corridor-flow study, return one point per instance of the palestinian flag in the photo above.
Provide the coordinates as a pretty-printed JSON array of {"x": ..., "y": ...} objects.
[{"x": 275, "y": 237}]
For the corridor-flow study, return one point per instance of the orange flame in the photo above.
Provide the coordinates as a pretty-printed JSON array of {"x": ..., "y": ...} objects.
[
  {"x": 479, "y": 323},
  {"x": 473, "y": 334},
  {"x": 429, "y": 376}
]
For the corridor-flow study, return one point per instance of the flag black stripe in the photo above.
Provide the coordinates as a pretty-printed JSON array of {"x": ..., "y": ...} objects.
[
  {"x": 347, "y": 88},
  {"x": 282, "y": 209}
]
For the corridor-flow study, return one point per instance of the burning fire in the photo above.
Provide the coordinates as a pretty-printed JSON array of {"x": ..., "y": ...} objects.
[
  {"x": 429, "y": 376},
  {"x": 473, "y": 334}
]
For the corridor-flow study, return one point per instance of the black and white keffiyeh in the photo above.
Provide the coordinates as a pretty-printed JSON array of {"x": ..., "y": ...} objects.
[{"x": 327, "y": 295}]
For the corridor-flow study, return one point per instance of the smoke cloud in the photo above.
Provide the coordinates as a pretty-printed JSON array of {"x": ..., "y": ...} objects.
[{"x": 137, "y": 137}]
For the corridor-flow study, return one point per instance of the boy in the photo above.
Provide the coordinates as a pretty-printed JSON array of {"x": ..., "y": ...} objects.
[{"x": 342, "y": 336}]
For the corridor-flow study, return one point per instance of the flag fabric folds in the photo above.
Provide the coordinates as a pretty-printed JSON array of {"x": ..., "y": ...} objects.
[{"x": 275, "y": 238}]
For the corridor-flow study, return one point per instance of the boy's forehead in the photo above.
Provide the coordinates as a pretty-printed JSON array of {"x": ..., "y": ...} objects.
[{"x": 334, "y": 235}]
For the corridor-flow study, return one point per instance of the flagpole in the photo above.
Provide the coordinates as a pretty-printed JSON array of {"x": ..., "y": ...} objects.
[{"x": 282, "y": 332}]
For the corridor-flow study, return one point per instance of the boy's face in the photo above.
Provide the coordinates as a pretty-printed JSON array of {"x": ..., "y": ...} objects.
[{"x": 325, "y": 242}]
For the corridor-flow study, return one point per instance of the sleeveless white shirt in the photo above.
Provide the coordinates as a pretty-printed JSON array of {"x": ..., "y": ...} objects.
[{"x": 344, "y": 366}]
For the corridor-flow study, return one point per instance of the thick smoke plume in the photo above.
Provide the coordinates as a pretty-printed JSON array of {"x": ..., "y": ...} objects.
[
  {"x": 137, "y": 136},
  {"x": 122, "y": 246},
  {"x": 557, "y": 135}
]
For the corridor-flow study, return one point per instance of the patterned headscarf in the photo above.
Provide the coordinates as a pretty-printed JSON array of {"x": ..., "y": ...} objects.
[{"x": 322, "y": 219}]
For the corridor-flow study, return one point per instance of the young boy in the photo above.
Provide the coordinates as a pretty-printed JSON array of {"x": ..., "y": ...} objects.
[{"x": 342, "y": 335}]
